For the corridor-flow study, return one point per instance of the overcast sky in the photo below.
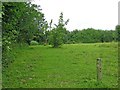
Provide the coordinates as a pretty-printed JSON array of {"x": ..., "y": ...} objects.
[{"x": 98, "y": 14}]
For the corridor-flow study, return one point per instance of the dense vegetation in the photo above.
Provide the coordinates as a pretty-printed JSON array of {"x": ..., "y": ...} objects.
[
  {"x": 20, "y": 22},
  {"x": 24, "y": 24}
]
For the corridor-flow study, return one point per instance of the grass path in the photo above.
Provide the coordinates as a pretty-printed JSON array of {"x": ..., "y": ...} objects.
[{"x": 72, "y": 66}]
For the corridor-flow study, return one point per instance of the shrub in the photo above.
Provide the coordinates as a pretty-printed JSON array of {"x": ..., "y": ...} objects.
[{"x": 34, "y": 43}]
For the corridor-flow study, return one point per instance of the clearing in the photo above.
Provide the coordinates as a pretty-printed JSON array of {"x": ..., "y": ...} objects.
[{"x": 71, "y": 66}]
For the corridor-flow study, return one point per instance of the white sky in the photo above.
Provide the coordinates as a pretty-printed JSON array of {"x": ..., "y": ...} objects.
[{"x": 98, "y": 14}]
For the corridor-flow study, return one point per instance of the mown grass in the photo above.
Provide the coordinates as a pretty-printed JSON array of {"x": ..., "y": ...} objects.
[{"x": 71, "y": 66}]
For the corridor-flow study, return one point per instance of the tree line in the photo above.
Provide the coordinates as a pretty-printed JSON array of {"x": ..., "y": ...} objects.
[{"x": 25, "y": 23}]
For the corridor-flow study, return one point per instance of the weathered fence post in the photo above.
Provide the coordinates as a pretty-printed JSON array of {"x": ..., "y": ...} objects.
[{"x": 99, "y": 69}]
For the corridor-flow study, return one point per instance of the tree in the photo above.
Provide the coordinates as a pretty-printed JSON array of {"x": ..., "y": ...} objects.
[
  {"x": 20, "y": 22},
  {"x": 58, "y": 33}
]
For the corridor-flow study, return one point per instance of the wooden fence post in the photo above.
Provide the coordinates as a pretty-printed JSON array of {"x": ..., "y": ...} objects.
[{"x": 99, "y": 69}]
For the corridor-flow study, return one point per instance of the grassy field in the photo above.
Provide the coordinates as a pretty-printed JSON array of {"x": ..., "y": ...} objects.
[{"x": 71, "y": 66}]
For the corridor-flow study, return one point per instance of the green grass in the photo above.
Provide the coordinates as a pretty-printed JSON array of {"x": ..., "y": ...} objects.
[{"x": 71, "y": 66}]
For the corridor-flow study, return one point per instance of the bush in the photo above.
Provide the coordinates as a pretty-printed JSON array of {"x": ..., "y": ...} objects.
[
  {"x": 56, "y": 38},
  {"x": 34, "y": 43}
]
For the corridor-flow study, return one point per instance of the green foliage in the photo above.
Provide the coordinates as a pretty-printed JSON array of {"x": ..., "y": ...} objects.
[
  {"x": 56, "y": 38},
  {"x": 20, "y": 22},
  {"x": 58, "y": 34},
  {"x": 34, "y": 43},
  {"x": 91, "y": 35}
]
